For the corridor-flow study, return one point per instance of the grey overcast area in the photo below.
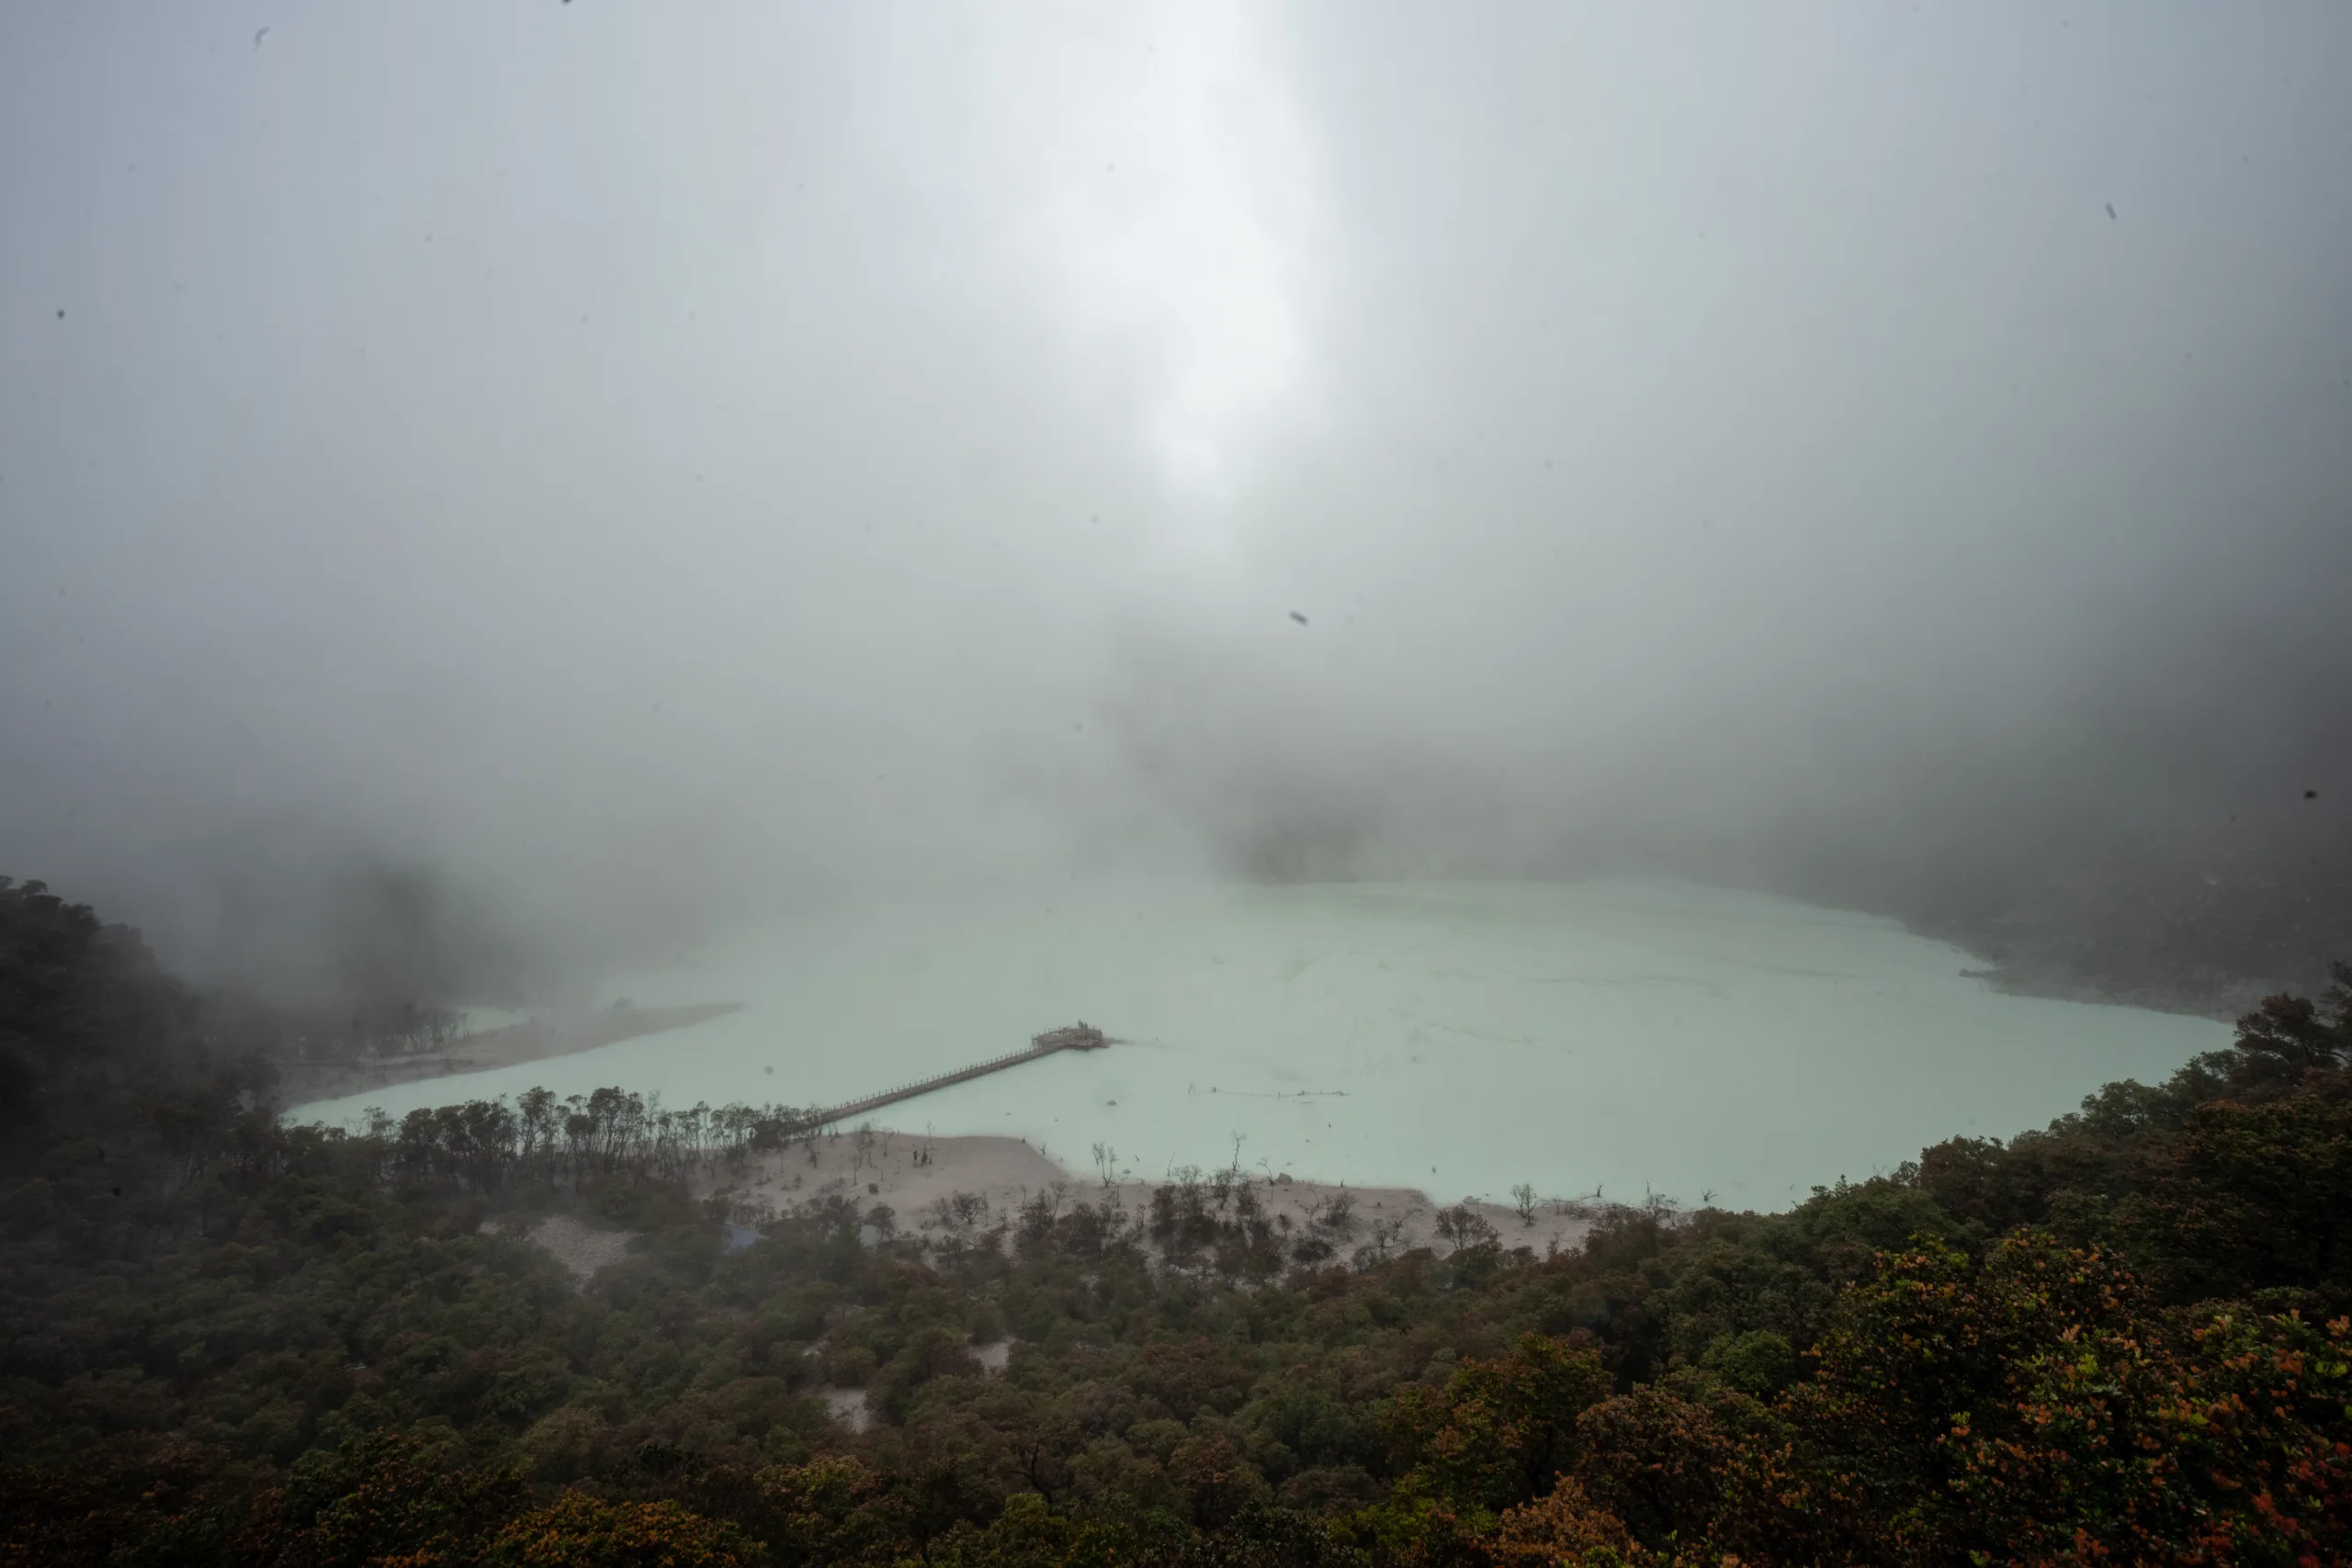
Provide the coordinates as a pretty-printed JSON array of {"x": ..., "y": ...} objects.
[{"x": 491, "y": 494}]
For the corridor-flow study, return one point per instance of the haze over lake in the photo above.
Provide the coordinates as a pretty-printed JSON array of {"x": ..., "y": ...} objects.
[{"x": 1622, "y": 1036}]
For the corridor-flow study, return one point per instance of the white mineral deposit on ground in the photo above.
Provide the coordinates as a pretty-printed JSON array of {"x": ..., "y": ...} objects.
[{"x": 938, "y": 1189}]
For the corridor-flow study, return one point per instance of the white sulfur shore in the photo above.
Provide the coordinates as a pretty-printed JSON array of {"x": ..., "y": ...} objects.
[
  {"x": 919, "y": 1180},
  {"x": 941, "y": 1188}
]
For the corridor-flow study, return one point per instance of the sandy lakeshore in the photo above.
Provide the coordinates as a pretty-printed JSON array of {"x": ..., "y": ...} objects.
[{"x": 933, "y": 1185}]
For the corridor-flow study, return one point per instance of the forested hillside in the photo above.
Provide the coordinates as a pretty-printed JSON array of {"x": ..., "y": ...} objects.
[{"x": 227, "y": 1340}]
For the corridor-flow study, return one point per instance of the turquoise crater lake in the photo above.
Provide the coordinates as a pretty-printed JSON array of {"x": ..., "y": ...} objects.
[{"x": 1619, "y": 1036}]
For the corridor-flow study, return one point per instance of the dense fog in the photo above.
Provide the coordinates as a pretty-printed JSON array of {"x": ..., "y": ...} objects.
[{"x": 491, "y": 495}]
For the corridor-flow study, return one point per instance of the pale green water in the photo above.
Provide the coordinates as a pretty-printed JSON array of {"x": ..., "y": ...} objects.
[{"x": 1457, "y": 1037}]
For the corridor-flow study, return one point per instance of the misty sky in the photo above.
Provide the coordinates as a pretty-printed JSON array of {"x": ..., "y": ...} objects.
[{"x": 684, "y": 460}]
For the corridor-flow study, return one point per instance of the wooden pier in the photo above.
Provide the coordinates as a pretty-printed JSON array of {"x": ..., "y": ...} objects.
[{"x": 1079, "y": 1037}]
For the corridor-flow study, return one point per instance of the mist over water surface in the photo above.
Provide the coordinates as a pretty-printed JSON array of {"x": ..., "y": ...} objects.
[
  {"x": 488, "y": 496},
  {"x": 492, "y": 499},
  {"x": 1622, "y": 1036}
]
